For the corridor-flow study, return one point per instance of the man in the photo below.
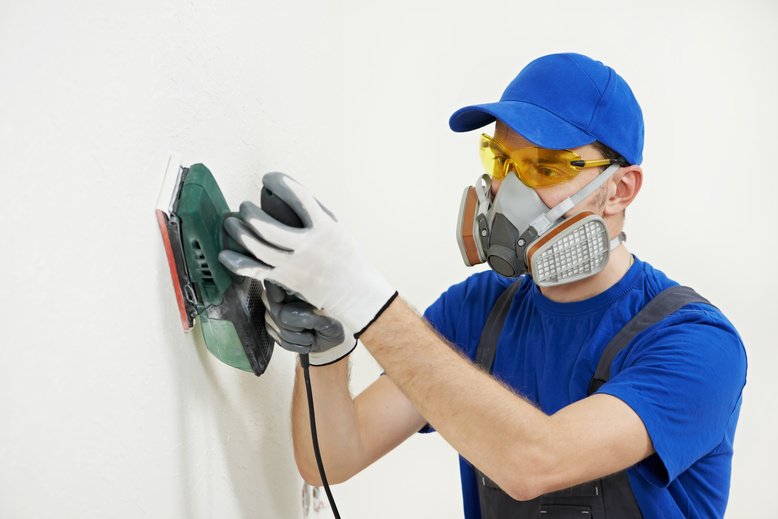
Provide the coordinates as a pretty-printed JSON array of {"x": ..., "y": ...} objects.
[{"x": 649, "y": 436}]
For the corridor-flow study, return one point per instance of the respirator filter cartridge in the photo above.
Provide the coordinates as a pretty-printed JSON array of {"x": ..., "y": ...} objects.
[{"x": 575, "y": 249}]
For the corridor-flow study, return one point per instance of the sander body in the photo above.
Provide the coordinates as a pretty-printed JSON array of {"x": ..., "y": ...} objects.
[{"x": 190, "y": 211}]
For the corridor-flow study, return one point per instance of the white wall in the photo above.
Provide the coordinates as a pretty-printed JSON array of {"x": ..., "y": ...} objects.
[{"x": 108, "y": 410}]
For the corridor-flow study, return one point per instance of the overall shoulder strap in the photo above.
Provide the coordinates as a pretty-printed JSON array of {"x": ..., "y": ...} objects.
[
  {"x": 662, "y": 305},
  {"x": 487, "y": 345}
]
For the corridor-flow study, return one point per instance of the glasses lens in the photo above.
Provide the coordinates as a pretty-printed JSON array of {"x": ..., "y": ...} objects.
[
  {"x": 536, "y": 167},
  {"x": 492, "y": 157},
  {"x": 539, "y": 167}
]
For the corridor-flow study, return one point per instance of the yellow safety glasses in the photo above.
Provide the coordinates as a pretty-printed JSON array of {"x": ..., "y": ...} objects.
[{"x": 536, "y": 167}]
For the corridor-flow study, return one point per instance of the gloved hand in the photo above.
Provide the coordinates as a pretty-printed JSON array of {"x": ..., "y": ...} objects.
[
  {"x": 320, "y": 262},
  {"x": 297, "y": 326}
]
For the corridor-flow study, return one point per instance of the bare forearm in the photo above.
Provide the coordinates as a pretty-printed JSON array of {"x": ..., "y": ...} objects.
[
  {"x": 353, "y": 433},
  {"x": 336, "y": 423},
  {"x": 492, "y": 427}
]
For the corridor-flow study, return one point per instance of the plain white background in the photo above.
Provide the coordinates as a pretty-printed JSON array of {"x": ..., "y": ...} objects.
[{"x": 108, "y": 410}]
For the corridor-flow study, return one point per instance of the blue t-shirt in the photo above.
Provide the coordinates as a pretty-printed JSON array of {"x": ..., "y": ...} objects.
[{"x": 683, "y": 377}]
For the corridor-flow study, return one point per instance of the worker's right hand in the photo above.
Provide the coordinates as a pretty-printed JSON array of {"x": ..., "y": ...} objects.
[
  {"x": 299, "y": 327},
  {"x": 321, "y": 261}
]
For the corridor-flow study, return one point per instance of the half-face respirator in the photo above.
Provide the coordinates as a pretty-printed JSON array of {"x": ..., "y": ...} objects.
[{"x": 516, "y": 233}]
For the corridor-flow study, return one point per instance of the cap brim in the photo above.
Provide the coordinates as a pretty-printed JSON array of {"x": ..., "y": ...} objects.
[{"x": 535, "y": 124}]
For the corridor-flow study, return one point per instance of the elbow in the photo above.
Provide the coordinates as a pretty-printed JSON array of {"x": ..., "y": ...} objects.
[
  {"x": 532, "y": 475},
  {"x": 309, "y": 470},
  {"x": 523, "y": 490},
  {"x": 521, "y": 486},
  {"x": 306, "y": 465},
  {"x": 311, "y": 477}
]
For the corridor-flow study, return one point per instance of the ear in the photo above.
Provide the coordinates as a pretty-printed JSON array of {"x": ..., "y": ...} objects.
[{"x": 627, "y": 182}]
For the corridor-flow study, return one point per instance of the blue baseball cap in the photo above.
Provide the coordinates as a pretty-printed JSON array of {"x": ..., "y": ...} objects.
[{"x": 563, "y": 101}]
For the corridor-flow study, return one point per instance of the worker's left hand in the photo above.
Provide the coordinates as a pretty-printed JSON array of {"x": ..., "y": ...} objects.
[
  {"x": 320, "y": 262},
  {"x": 298, "y": 327}
]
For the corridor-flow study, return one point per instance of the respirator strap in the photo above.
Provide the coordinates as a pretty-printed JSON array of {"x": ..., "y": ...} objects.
[
  {"x": 618, "y": 240},
  {"x": 483, "y": 194},
  {"x": 544, "y": 222}
]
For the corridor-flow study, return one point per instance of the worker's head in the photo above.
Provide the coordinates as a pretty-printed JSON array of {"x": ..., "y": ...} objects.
[{"x": 568, "y": 131}]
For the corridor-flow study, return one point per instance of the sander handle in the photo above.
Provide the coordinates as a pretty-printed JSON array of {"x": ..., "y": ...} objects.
[
  {"x": 273, "y": 206},
  {"x": 278, "y": 209},
  {"x": 281, "y": 211}
]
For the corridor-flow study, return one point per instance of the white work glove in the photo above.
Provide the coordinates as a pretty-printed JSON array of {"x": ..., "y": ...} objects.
[
  {"x": 320, "y": 262},
  {"x": 298, "y": 327}
]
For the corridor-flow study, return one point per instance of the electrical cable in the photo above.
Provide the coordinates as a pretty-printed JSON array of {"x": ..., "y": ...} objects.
[
  {"x": 278, "y": 209},
  {"x": 314, "y": 435}
]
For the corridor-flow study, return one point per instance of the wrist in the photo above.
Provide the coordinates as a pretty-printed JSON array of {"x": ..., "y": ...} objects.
[
  {"x": 392, "y": 328},
  {"x": 377, "y": 315},
  {"x": 333, "y": 355}
]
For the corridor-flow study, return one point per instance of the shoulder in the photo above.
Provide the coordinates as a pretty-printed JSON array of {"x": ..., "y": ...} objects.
[
  {"x": 694, "y": 340},
  {"x": 696, "y": 331},
  {"x": 698, "y": 319},
  {"x": 695, "y": 346}
]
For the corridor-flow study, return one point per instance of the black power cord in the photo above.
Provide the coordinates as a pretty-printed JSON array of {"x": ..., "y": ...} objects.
[{"x": 314, "y": 436}]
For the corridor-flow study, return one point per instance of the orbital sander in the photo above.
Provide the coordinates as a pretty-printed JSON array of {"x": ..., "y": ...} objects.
[{"x": 190, "y": 211}]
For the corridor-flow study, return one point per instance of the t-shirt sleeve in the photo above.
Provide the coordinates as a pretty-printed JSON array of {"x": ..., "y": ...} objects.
[{"x": 684, "y": 378}]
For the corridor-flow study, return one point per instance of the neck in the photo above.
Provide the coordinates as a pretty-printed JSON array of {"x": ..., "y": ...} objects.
[{"x": 618, "y": 265}]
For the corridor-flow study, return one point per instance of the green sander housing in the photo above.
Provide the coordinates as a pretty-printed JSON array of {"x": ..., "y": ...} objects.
[{"x": 190, "y": 212}]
